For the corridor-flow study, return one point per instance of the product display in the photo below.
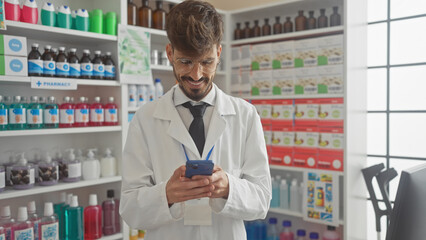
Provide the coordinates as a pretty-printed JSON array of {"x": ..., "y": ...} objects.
[
  {"x": 110, "y": 220},
  {"x": 159, "y": 16},
  {"x": 278, "y": 27},
  {"x": 93, "y": 219},
  {"x": 74, "y": 225},
  {"x": 23, "y": 228},
  {"x": 49, "y": 226},
  {"x": 35, "y": 219},
  {"x": 145, "y": 15},
  {"x": 256, "y": 30}
]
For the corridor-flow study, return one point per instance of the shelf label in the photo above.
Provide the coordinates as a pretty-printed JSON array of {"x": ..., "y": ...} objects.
[{"x": 53, "y": 83}]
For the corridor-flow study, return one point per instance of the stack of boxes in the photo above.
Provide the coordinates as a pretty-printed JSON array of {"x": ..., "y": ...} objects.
[{"x": 13, "y": 56}]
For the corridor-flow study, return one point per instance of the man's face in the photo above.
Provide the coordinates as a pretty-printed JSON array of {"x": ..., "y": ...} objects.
[{"x": 194, "y": 74}]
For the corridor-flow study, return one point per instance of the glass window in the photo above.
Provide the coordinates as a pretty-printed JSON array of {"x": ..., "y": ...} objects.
[
  {"x": 407, "y": 134},
  {"x": 407, "y": 88},
  {"x": 377, "y": 10},
  {"x": 407, "y": 44},
  {"x": 376, "y": 89},
  {"x": 377, "y": 44},
  {"x": 376, "y": 133},
  {"x": 404, "y": 8}
]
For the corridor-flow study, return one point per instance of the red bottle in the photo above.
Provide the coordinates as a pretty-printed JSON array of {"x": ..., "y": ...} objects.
[
  {"x": 13, "y": 10},
  {"x": 93, "y": 219},
  {"x": 111, "y": 113},
  {"x": 117, "y": 216},
  {"x": 7, "y": 222},
  {"x": 82, "y": 113},
  {"x": 66, "y": 113},
  {"x": 109, "y": 208},
  {"x": 23, "y": 228},
  {"x": 2, "y": 233},
  {"x": 97, "y": 113}
]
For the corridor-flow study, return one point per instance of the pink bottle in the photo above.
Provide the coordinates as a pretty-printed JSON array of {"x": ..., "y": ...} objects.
[
  {"x": 35, "y": 219},
  {"x": 49, "y": 223},
  {"x": 12, "y": 10},
  {"x": 96, "y": 113},
  {"x": 7, "y": 222},
  {"x": 111, "y": 113},
  {"x": 66, "y": 113},
  {"x": 82, "y": 113},
  {"x": 330, "y": 234},
  {"x": 93, "y": 219},
  {"x": 286, "y": 233},
  {"x": 23, "y": 228},
  {"x": 109, "y": 208},
  {"x": 29, "y": 12}
]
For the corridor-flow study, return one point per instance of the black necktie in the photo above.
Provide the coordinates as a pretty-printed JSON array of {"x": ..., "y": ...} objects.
[{"x": 196, "y": 129}]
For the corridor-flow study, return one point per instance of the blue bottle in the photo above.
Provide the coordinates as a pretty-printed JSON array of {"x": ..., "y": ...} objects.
[
  {"x": 34, "y": 114},
  {"x": 17, "y": 115},
  {"x": 301, "y": 234},
  {"x": 272, "y": 233},
  {"x": 260, "y": 229},
  {"x": 275, "y": 202},
  {"x": 3, "y": 115},
  {"x": 313, "y": 236}
]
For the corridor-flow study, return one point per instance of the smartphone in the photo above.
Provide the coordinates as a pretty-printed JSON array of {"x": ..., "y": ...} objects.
[{"x": 198, "y": 167}]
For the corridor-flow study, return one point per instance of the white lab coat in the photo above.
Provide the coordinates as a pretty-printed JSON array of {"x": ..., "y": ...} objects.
[{"x": 154, "y": 150}]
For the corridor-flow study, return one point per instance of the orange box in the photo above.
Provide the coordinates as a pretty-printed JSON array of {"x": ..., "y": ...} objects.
[
  {"x": 331, "y": 141},
  {"x": 283, "y": 156},
  {"x": 282, "y": 137},
  {"x": 331, "y": 112},
  {"x": 306, "y": 139},
  {"x": 305, "y": 160},
  {"x": 282, "y": 112},
  {"x": 331, "y": 162},
  {"x": 306, "y": 112}
]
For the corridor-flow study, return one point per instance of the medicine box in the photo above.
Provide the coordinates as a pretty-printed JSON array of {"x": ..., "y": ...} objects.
[
  {"x": 13, "y": 66},
  {"x": 261, "y": 57},
  {"x": 283, "y": 82},
  {"x": 13, "y": 45},
  {"x": 283, "y": 55},
  {"x": 261, "y": 83}
]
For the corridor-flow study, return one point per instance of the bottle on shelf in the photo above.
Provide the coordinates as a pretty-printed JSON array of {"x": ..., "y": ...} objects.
[
  {"x": 66, "y": 113},
  {"x": 284, "y": 196},
  {"x": 301, "y": 234},
  {"x": 286, "y": 233},
  {"x": 7, "y": 222},
  {"x": 34, "y": 218},
  {"x": 35, "y": 62},
  {"x": 322, "y": 19},
  {"x": 51, "y": 113},
  {"x": 312, "y": 22},
  {"x": 54, "y": 52},
  {"x": 2, "y": 178},
  {"x": 62, "y": 216},
  {"x": 266, "y": 28},
  {"x": 49, "y": 63},
  {"x": 49, "y": 226},
  {"x": 2, "y": 233},
  {"x": 74, "y": 227},
  {"x": 159, "y": 16},
  {"x": 8, "y": 165},
  {"x": 91, "y": 166},
  {"x": 4, "y": 119},
  {"x": 151, "y": 92},
  {"x": 330, "y": 234},
  {"x": 247, "y": 32},
  {"x": 64, "y": 17},
  {"x": 132, "y": 95},
  {"x": 256, "y": 30},
  {"x": 35, "y": 161},
  {"x": 34, "y": 114},
  {"x": 313, "y": 236},
  {"x": 29, "y": 12},
  {"x": 272, "y": 232},
  {"x": 288, "y": 25},
  {"x": 335, "y": 17},
  {"x": 145, "y": 15},
  {"x": 62, "y": 64},
  {"x": 278, "y": 27},
  {"x": 98, "y": 66},
  {"x": 86, "y": 65},
  {"x": 93, "y": 219},
  {"x": 22, "y": 174},
  {"x": 96, "y": 113},
  {"x": 74, "y": 64},
  {"x": 109, "y": 67},
  {"x": 17, "y": 115},
  {"x": 294, "y": 196},
  {"x": 238, "y": 33},
  {"x": 42, "y": 102},
  {"x": 300, "y": 21},
  {"x": 109, "y": 208},
  {"x": 57, "y": 208},
  {"x": 275, "y": 202},
  {"x": 72, "y": 168},
  {"x": 159, "y": 91},
  {"x": 142, "y": 93},
  {"x": 48, "y": 171},
  {"x": 108, "y": 164},
  {"x": 111, "y": 113},
  {"x": 82, "y": 113},
  {"x": 12, "y": 10},
  {"x": 23, "y": 228},
  {"x": 117, "y": 216},
  {"x": 131, "y": 13}
]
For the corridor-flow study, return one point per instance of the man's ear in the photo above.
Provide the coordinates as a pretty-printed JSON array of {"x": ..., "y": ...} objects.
[
  {"x": 219, "y": 50},
  {"x": 169, "y": 50}
]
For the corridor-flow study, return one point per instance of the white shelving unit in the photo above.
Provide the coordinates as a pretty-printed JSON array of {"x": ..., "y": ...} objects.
[
  {"x": 113, "y": 237},
  {"x": 88, "y": 82},
  {"x": 293, "y": 96},
  {"x": 57, "y": 131},
  {"x": 298, "y": 169}
]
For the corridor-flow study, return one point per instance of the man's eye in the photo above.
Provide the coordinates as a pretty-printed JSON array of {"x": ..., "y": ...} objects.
[
  {"x": 207, "y": 62},
  {"x": 186, "y": 62}
]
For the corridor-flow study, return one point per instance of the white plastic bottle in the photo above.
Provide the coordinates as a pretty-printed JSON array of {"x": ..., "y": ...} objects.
[
  {"x": 91, "y": 167},
  {"x": 284, "y": 194},
  {"x": 151, "y": 93},
  {"x": 142, "y": 95},
  {"x": 49, "y": 223},
  {"x": 294, "y": 196},
  {"x": 330, "y": 234},
  {"x": 301, "y": 191},
  {"x": 159, "y": 91},
  {"x": 132, "y": 95},
  {"x": 108, "y": 164},
  {"x": 72, "y": 168}
]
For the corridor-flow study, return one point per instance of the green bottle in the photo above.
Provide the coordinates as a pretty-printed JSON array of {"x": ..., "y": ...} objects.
[
  {"x": 3, "y": 115},
  {"x": 74, "y": 229},
  {"x": 57, "y": 208},
  {"x": 17, "y": 115},
  {"x": 34, "y": 114},
  {"x": 51, "y": 113}
]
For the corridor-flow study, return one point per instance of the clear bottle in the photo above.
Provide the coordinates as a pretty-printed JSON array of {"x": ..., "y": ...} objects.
[
  {"x": 256, "y": 30},
  {"x": 313, "y": 236},
  {"x": 109, "y": 67},
  {"x": 35, "y": 62},
  {"x": 266, "y": 28},
  {"x": 288, "y": 25},
  {"x": 91, "y": 166},
  {"x": 286, "y": 233},
  {"x": 23, "y": 228},
  {"x": 74, "y": 226},
  {"x": 48, "y": 171},
  {"x": 4, "y": 118},
  {"x": 66, "y": 113},
  {"x": 34, "y": 218},
  {"x": 159, "y": 91},
  {"x": 272, "y": 232},
  {"x": 111, "y": 113},
  {"x": 109, "y": 208},
  {"x": 159, "y": 16},
  {"x": 275, "y": 202},
  {"x": 2, "y": 178},
  {"x": 22, "y": 174},
  {"x": 301, "y": 234},
  {"x": 93, "y": 219},
  {"x": 96, "y": 113},
  {"x": 278, "y": 27},
  {"x": 145, "y": 15},
  {"x": 49, "y": 226},
  {"x": 238, "y": 33},
  {"x": 8, "y": 165},
  {"x": 75, "y": 67},
  {"x": 61, "y": 161},
  {"x": 98, "y": 66},
  {"x": 247, "y": 32},
  {"x": 300, "y": 21},
  {"x": 34, "y": 114},
  {"x": 51, "y": 113},
  {"x": 72, "y": 168},
  {"x": 57, "y": 208},
  {"x": 142, "y": 95},
  {"x": 17, "y": 115},
  {"x": 108, "y": 164},
  {"x": 81, "y": 113},
  {"x": 62, "y": 64},
  {"x": 86, "y": 65},
  {"x": 49, "y": 63},
  {"x": 284, "y": 196},
  {"x": 7, "y": 222},
  {"x": 330, "y": 234},
  {"x": 131, "y": 13},
  {"x": 294, "y": 196},
  {"x": 312, "y": 22},
  {"x": 322, "y": 19},
  {"x": 335, "y": 17}
]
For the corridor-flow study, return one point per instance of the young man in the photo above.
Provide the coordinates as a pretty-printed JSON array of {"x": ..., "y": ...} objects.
[{"x": 195, "y": 120}]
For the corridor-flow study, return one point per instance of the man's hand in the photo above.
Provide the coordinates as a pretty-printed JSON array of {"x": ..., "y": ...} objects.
[
  {"x": 219, "y": 180},
  {"x": 180, "y": 189}
]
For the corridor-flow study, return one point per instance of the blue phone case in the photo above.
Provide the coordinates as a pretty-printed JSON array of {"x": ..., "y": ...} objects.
[{"x": 198, "y": 167}]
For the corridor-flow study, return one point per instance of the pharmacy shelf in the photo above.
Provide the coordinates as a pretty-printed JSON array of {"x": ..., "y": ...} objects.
[
  {"x": 292, "y": 213},
  {"x": 57, "y": 131},
  {"x": 56, "y": 34},
  {"x": 302, "y": 170},
  {"x": 88, "y": 82},
  {"x": 132, "y": 109},
  {"x": 15, "y": 79},
  {"x": 155, "y": 67},
  {"x": 292, "y": 96},
  {"x": 290, "y": 36},
  {"x": 152, "y": 31},
  {"x": 113, "y": 237},
  {"x": 11, "y": 193}
]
